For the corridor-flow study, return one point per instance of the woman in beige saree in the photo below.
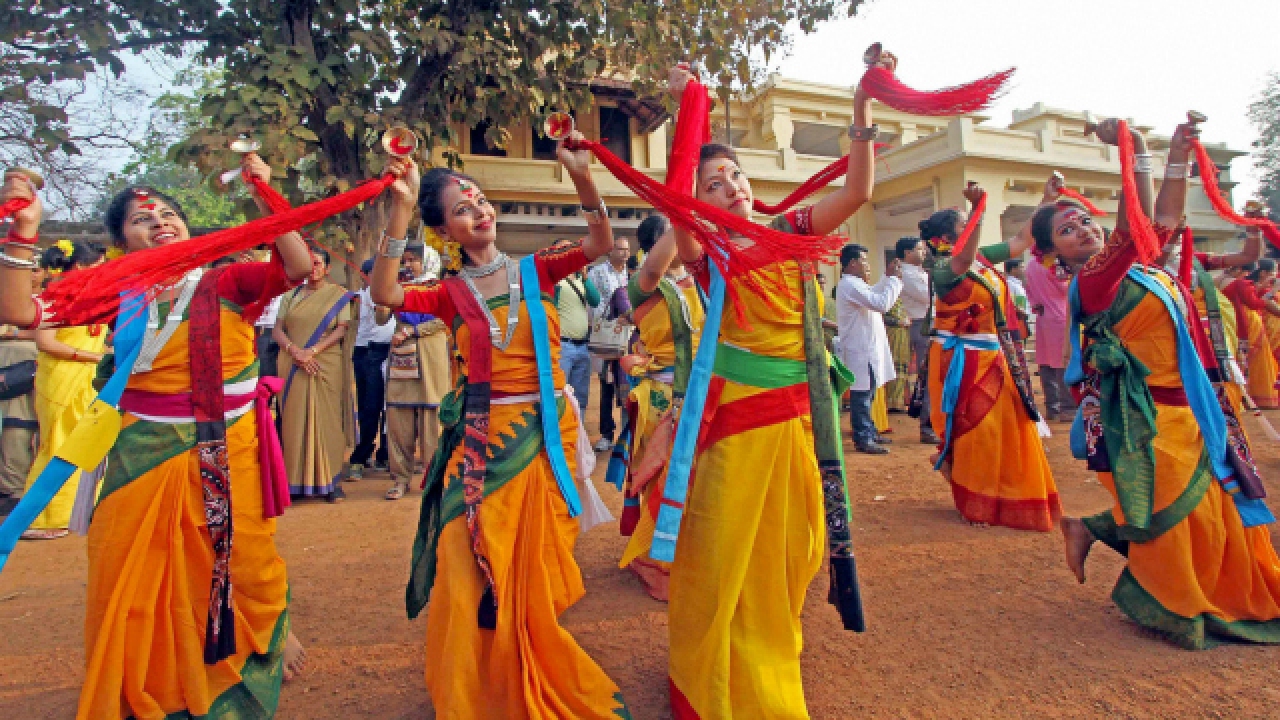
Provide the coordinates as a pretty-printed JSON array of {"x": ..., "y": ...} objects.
[{"x": 317, "y": 422}]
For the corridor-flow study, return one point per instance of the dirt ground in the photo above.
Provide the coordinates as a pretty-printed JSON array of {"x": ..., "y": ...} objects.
[{"x": 964, "y": 622}]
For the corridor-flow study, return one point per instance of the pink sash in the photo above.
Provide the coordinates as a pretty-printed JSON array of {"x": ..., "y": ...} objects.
[{"x": 178, "y": 406}]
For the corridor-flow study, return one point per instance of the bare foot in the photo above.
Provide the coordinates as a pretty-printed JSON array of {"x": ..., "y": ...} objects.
[
  {"x": 295, "y": 657},
  {"x": 1078, "y": 542}
]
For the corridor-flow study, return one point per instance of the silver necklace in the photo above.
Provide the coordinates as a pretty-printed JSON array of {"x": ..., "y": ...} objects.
[
  {"x": 496, "y": 336},
  {"x": 489, "y": 268},
  {"x": 155, "y": 338}
]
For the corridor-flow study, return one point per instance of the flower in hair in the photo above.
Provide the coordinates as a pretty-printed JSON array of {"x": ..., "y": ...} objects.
[
  {"x": 65, "y": 246},
  {"x": 450, "y": 252},
  {"x": 115, "y": 251}
]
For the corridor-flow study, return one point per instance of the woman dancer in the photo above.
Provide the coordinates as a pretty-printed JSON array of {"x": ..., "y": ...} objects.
[
  {"x": 178, "y": 623},
  {"x": 979, "y": 389},
  {"x": 64, "y": 386},
  {"x": 753, "y": 533},
  {"x": 1200, "y": 561},
  {"x": 495, "y": 541},
  {"x": 1259, "y": 355},
  {"x": 668, "y": 315},
  {"x": 317, "y": 425}
]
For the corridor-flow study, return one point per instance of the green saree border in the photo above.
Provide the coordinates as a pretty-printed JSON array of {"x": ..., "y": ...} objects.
[
  {"x": 1192, "y": 633},
  {"x": 257, "y": 694},
  {"x": 1106, "y": 530}
]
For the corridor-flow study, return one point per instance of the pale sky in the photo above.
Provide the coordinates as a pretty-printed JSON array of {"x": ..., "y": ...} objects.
[{"x": 1149, "y": 60}]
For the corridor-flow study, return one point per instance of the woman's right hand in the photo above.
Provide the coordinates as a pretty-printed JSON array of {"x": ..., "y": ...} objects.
[
  {"x": 678, "y": 78},
  {"x": 254, "y": 166},
  {"x": 404, "y": 191},
  {"x": 17, "y": 186}
]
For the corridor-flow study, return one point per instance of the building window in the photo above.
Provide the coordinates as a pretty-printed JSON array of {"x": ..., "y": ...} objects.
[
  {"x": 480, "y": 145},
  {"x": 615, "y": 132}
]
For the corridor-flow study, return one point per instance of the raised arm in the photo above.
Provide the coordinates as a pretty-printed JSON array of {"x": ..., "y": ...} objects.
[
  {"x": 578, "y": 164},
  {"x": 831, "y": 212},
  {"x": 16, "y": 305},
  {"x": 657, "y": 261},
  {"x": 384, "y": 282},
  {"x": 1024, "y": 240},
  {"x": 294, "y": 254},
  {"x": 963, "y": 259},
  {"x": 1171, "y": 203},
  {"x": 1107, "y": 131}
]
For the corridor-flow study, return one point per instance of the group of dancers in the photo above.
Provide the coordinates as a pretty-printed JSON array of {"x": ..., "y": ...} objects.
[{"x": 735, "y": 487}]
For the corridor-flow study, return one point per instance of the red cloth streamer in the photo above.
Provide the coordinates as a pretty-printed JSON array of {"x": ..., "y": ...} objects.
[
  {"x": 1144, "y": 235},
  {"x": 823, "y": 178},
  {"x": 274, "y": 200},
  {"x": 711, "y": 226},
  {"x": 1093, "y": 209},
  {"x": 1186, "y": 262},
  {"x": 693, "y": 130},
  {"x": 881, "y": 84},
  {"x": 278, "y": 204},
  {"x": 12, "y": 206},
  {"x": 1209, "y": 177},
  {"x": 970, "y": 227},
  {"x": 92, "y": 295}
]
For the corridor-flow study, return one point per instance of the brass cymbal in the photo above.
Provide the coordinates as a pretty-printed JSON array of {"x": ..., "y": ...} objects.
[
  {"x": 244, "y": 145},
  {"x": 558, "y": 125},
  {"x": 399, "y": 141},
  {"x": 872, "y": 55}
]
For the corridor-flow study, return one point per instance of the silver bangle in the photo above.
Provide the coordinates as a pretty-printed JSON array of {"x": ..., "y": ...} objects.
[
  {"x": 1176, "y": 171},
  {"x": 393, "y": 247},
  {"x": 857, "y": 133},
  {"x": 1142, "y": 163},
  {"x": 10, "y": 261},
  {"x": 596, "y": 215}
]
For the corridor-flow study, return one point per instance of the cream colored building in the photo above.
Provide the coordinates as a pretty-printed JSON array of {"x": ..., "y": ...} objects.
[{"x": 790, "y": 129}]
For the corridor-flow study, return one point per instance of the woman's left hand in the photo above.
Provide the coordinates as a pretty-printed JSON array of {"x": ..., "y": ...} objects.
[{"x": 577, "y": 162}]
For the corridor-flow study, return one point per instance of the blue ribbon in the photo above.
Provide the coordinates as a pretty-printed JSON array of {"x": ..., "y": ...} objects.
[
  {"x": 951, "y": 383},
  {"x": 546, "y": 385},
  {"x": 132, "y": 318},
  {"x": 1203, "y": 400},
  {"x": 667, "y": 527}
]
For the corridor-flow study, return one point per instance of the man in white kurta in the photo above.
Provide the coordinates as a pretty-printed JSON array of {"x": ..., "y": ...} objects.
[{"x": 862, "y": 342}]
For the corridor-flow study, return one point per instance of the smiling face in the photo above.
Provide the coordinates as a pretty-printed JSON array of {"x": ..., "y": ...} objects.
[
  {"x": 1076, "y": 237},
  {"x": 469, "y": 219},
  {"x": 722, "y": 184},
  {"x": 151, "y": 222}
]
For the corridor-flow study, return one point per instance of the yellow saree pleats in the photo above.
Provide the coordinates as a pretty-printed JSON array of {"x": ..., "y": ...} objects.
[
  {"x": 64, "y": 389},
  {"x": 1262, "y": 362}
]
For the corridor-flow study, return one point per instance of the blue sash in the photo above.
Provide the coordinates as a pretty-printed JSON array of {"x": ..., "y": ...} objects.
[
  {"x": 551, "y": 439},
  {"x": 132, "y": 321},
  {"x": 667, "y": 528},
  {"x": 951, "y": 383}
]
